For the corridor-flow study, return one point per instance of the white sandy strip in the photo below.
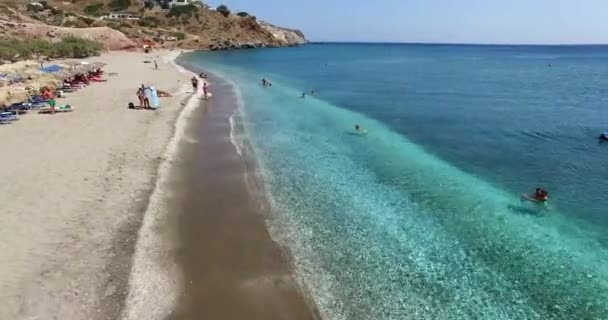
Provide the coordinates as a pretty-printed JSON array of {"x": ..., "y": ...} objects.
[
  {"x": 155, "y": 280},
  {"x": 71, "y": 188}
]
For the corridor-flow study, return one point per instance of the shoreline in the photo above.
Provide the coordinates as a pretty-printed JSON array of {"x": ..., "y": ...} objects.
[
  {"x": 224, "y": 220},
  {"x": 96, "y": 220},
  {"x": 149, "y": 260}
]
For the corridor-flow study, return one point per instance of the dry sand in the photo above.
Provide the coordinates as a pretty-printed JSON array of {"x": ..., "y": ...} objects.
[{"x": 73, "y": 190}]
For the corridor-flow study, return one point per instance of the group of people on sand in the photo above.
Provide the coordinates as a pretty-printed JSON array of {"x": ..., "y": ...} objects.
[
  {"x": 143, "y": 96},
  {"x": 144, "y": 101},
  {"x": 205, "y": 87}
]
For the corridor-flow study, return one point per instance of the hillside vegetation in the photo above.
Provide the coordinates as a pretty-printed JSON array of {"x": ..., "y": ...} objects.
[
  {"x": 190, "y": 26},
  {"x": 68, "y": 47}
]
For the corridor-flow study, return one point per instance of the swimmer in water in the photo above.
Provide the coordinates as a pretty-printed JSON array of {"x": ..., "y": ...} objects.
[
  {"x": 303, "y": 95},
  {"x": 540, "y": 196},
  {"x": 604, "y": 136},
  {"x": 359, "y": 129}
]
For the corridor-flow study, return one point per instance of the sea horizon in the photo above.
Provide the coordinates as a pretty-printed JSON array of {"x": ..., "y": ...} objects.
[{"x": 464, "y": 44}]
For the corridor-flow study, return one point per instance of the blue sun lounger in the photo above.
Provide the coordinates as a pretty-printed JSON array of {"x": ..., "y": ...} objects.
[{"x": 8, "y": 116}]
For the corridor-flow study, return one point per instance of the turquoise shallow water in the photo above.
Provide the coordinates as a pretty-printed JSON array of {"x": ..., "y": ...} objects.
[{"x": 421, "y": 218}]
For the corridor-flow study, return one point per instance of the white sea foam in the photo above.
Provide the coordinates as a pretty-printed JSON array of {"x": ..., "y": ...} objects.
[{"x": 233, "y": 138}]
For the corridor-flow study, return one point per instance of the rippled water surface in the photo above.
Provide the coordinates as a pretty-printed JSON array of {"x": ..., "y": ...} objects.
[{"x": 420, "y": 218}]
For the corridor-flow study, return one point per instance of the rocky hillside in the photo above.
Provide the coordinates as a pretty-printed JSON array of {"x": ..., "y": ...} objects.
[{"x": 188, "y": 27}]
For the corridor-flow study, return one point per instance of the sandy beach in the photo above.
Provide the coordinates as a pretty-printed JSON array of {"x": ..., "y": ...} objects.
[
  {"x": 101, "y": 217},
  {"x": 74, "y": 189}
]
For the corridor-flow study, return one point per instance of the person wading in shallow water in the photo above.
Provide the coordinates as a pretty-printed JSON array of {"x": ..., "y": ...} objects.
[
  {"x": 194, "y": 84},
  {"x": 205, "y": 90}
]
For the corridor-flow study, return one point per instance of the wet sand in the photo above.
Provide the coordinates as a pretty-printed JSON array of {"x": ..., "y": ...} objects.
[{"x": 232, "y": 269}]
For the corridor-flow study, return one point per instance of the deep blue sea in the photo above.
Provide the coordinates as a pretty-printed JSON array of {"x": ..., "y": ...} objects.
[{"x": 421, "y": 217}]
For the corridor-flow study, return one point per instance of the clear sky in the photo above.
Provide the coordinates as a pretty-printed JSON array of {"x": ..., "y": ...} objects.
[{"x": 455, "y": 21}]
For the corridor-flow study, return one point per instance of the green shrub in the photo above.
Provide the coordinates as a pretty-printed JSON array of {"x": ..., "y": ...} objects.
[
  {"x": 223, "y": 9},
  {"x": 179, "y": 35},
  {"x": 41, "y": 48},
  {"x": 69, "y": 47},
  {"x": 120, "y": 5},
  {"x": 13, "y": 49},
  {"x": 243, "y": 14},
  {"x": 73, "y": 47},
  {"x": 187, "y": 10},
  {"x": 94, "y": 9}
]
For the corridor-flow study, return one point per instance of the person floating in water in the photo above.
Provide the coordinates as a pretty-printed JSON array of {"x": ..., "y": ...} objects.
[
  {"x": 604, "y": 136},
  {"x": 359, "y": 129},
  {"x": 540, "y": 196}
]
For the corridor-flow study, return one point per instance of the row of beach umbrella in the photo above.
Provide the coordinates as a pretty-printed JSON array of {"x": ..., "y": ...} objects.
[{"x": 19, "y": 79}]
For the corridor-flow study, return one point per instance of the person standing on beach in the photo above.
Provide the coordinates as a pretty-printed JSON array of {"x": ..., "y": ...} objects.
[
  {"x": 141, "y": 95},
  {"x": 48, "y": 95},
  {"x": 205, "y": 90},
  {"x": 194, "y": 84},
  {"x": 155, "y": 65}
]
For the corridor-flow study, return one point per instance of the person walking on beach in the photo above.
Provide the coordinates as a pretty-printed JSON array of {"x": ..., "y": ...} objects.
[
  {"x": 205, "y": 90},
  {"x": 194, "y": 84},
  {"x": 155, "y": 65}
]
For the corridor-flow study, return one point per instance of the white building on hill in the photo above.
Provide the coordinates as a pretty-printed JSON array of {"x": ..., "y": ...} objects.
[{"x": 183, "y": 2}]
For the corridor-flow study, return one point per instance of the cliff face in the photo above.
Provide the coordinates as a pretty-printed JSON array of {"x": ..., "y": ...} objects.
[
  {"x": 190, "y": 27},
  {"x": 288, "y": 37}
]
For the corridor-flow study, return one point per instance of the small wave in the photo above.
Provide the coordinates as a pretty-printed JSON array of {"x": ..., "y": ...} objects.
[{"x": 233, "y": 138}]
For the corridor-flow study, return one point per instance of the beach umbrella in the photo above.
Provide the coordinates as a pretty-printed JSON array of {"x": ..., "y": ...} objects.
[
  {"x": 9, "y": 95},
  {"x": 98, "y": 64}
]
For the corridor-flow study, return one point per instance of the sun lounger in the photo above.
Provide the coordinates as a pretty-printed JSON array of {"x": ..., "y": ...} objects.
[
  {"x": 17, "y": 108},
  {"x": 8, "y": 116},
  {"x": 58, "y": 109},
  {"x": 36, "y": 99}
]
